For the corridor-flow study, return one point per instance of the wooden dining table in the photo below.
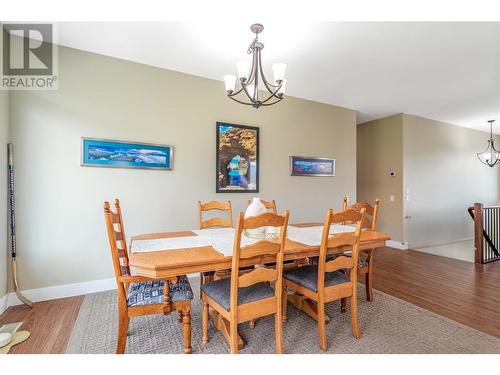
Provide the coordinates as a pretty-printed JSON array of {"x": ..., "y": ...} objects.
[{"x": 170, "y": 263}]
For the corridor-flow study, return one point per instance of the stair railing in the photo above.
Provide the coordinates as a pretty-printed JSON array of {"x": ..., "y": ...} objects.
[{"x": 486, "y": 232}]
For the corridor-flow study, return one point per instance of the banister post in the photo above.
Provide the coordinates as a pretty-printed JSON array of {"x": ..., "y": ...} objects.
[{"x": 478, "y": 232}]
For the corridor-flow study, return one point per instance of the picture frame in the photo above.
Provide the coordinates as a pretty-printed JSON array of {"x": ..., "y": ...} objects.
[
  {"x": 237, "y": 158},
  {"x": 111, "y": 153},
  {"x": 312, "y": 166}
]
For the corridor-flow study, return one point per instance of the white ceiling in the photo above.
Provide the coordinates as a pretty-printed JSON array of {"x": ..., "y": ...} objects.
[{"x": 444, "y": 71}]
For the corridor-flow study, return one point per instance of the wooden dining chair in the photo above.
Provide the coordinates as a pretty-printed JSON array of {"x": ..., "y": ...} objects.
[
  {"x": 215, "y": 221},
  {"x": 329, "y": 280},
  {"x": 366, "y": 256},
  {"x": 137, "y": 295},
  {"x": 248, "y": 296},
  {"x": 269, "y": 205}
]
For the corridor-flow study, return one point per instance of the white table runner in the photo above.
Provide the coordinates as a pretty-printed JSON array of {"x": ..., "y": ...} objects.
[
  {"x": 222, "y": 239},
  {"x": 173, "y": 243},
  {"x": 215, "y": 233},
  {"x": 311, "y": 236}
]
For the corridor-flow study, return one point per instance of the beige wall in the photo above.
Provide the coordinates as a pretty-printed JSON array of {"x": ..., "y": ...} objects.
[
  {"x": 379, "y": 152},
  {"x": 4, "y": 136},
  {"x": 443, "y": 177},
  {"x": 61, "y": 235},
  {"x": 437, "y": 177}
]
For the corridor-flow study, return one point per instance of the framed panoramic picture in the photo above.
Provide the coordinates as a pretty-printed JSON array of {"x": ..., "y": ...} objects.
[
  {"x": 121, "y": 154},
  {"x": 237, "y": 158},
  {"x": 310, "y": 166}
]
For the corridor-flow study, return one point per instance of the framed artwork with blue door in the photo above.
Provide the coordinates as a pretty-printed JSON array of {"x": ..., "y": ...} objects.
[
  {"x": 237, "y": 158},
  {"x": 124, "y": 154}
]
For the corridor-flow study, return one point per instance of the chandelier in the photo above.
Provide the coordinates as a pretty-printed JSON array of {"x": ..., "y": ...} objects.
[
  {"x": 490, "y": 156},
  {"x": 250, "y": 76}
]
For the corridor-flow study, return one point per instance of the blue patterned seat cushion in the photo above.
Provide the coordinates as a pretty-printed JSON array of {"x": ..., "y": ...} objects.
[
  {"x": 151, "y": 292},
  {"x": 220, "y": 292},
  {"x": 307, "y": 277}
]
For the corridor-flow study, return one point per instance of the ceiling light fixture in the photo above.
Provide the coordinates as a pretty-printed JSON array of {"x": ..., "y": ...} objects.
[
  {"x": 490, "y": 156},
  {"x": 249, "y": 77}
]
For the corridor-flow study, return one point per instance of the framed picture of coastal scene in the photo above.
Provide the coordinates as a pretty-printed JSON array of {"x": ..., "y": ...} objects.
[
  {"x": 237, "y": 158},
  {"x": 311, "y": 166},
  {"x": 123, "y": 154}
]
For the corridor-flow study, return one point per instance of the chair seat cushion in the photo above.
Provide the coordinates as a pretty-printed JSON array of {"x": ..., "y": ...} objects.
[
  {"x": 151, "y": 292},
  {"x": 220, "y": 292},
  {"x": 307, "y": 277}
]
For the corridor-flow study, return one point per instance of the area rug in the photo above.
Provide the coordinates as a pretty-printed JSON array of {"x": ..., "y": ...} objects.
[{"x": 388, "y": 325}]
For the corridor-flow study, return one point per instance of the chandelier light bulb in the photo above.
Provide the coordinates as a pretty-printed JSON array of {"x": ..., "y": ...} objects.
[
  {"x": 279, "y": 72},
  {"x": 243, "y": 67},
  {"x": 282, "y": 89},
  {"x": 230, "y": 83}
]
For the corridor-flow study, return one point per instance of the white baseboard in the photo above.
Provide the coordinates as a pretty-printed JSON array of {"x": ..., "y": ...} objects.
[
  {"x": 397, "y": 245},
  {"x": 3, "y": 303},
  {"x": 62, "y": 291}
]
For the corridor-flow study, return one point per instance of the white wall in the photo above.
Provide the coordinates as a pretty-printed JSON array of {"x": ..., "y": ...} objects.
[
  {"x": 61, "y": 233},
  {"x": 443, "y": 177}
]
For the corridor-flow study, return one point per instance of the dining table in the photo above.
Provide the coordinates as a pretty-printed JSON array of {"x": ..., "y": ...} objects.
[{"x": 196, "y": 254}]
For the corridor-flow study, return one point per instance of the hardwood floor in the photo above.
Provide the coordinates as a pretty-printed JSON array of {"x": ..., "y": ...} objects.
[
  {"x": 50, "y": 324},
  {"x": 462, "y": 291}
]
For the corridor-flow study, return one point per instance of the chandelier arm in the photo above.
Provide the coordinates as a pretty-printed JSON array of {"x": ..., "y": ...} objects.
[
  {"x": 251, "y": 76},
  {"x": 247, "y": 94},
  {"x": 256, "y": 83},
  {"x": 266, "y": 83},
  {"x": 236, "y": 92},
  {"x": 273, "y": 95},
  {"x": 276, "y": 101},
  {"x": 239, "y": 101}
]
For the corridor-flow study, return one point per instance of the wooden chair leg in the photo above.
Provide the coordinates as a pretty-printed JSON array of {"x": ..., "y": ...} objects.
[
  {"x": 369, "y": 278},
  {"x": 233, "y": 336},
  {"x": 323, "y": 342},
  {"x": 180, "y": 316},
  {"x": 205, "y": 323},
  {"x": 284, "y": 303},
  {"x": 123, "y": 321},
  {"x": 278, "y": 331},
  {"x": 368, "y": 286},
  {"x": 354, "y": 317},
  {"x": 343, "y": 303},
  {"x": 186, "y": 330}
]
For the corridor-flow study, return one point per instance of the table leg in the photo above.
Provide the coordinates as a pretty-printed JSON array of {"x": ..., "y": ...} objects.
[
  {"x": 306, "y": 305},
  {"x": 222, "y": 326}
]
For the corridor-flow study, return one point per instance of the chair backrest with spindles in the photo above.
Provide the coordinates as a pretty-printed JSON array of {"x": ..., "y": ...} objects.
[
  {"x": 116, "y": 237},
  {"x": 215, "y": 221},
  {"x": 271, "y": 249},
  {"x": 339, "y": 240},
  {"x": 371, "y": 211}
]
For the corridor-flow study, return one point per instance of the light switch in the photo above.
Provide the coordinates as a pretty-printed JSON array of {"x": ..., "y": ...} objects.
[{"x": 391, "y": 197}]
